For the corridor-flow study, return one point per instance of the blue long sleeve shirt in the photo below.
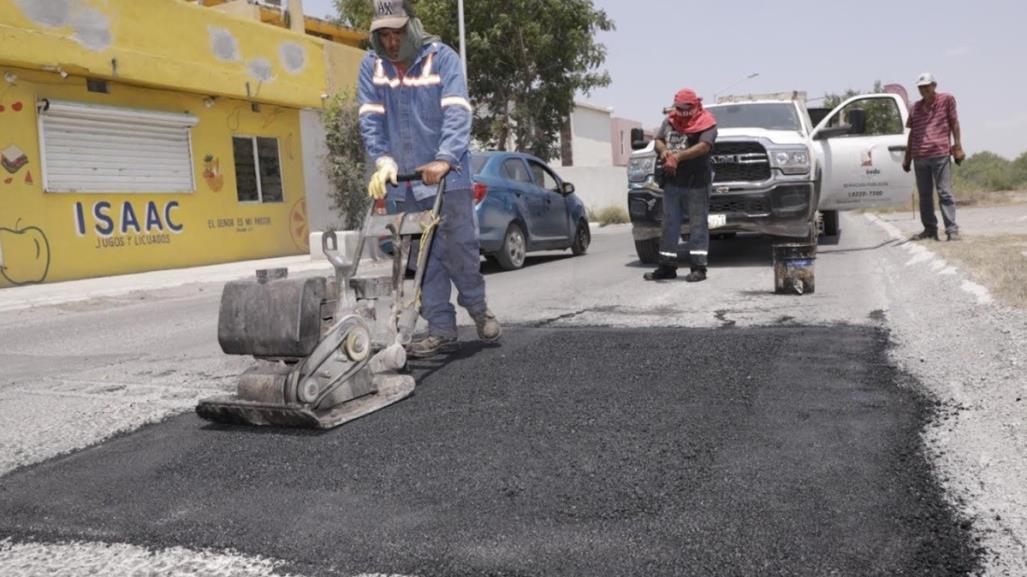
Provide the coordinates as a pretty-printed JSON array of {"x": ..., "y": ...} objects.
[{"x": 417, "y": 117}]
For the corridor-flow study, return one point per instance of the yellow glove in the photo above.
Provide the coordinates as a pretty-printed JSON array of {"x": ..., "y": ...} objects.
[{"x": 387, "y": 171}]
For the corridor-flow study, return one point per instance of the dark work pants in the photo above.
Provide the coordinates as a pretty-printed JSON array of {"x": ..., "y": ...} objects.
[{"x": 675, "y": 201}]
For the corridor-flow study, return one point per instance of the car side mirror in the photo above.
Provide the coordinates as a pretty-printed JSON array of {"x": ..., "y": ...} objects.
[
  {"x": 857, "y": 118},
  {"x": 568, "y": 188},
  {"x": 638, "y": 140}
]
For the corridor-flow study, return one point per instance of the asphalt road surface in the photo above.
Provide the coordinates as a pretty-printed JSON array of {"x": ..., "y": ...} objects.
[{"x": 747, "y": 434}]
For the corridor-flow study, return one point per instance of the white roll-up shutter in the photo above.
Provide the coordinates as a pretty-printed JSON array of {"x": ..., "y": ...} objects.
[{"x": 93, "y": 148}]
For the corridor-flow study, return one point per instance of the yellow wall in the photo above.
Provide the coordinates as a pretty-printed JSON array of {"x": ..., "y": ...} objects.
[
  {"x": 165, "y": 43},
  {"x": 39, "y": 232}
]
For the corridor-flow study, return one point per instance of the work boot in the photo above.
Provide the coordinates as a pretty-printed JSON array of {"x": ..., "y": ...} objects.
[
  {"x": 432, "y": 345},
  {"x": 662, "y": 272},
  {"x": 954, "y": 235},
  {"x": 926, "y": 234},
  {"x": 697, "y": 274},
  {"x": 487, "y": 325}
]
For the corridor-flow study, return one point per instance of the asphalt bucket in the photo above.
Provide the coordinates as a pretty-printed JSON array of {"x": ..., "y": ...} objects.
[{"x": 793, "y": 268}]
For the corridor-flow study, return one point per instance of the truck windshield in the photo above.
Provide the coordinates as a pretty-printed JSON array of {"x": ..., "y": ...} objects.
[{"x": 769, "y": 116}]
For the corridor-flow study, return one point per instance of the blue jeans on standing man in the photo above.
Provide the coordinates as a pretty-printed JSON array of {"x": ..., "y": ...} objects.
[
  {"x": 675, "y": 201},
  {"x": 932, "y": 173}
]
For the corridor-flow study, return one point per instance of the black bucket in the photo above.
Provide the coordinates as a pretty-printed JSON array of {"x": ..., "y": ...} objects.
[{"x": 793, "y": 268}]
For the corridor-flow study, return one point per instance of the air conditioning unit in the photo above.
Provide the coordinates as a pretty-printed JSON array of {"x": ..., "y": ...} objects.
[{"x": 269, "y": 3}]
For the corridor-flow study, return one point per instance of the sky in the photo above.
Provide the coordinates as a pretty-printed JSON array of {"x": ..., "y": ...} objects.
[{"x": 975, "y": 50}]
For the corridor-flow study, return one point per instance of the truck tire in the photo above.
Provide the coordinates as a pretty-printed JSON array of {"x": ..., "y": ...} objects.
[
  {"x": 830, "y": 222},
  {"x": 648, "y": 250}
]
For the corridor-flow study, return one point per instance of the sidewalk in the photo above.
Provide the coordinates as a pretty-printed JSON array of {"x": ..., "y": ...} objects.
[{"x": 15, "y": 298}]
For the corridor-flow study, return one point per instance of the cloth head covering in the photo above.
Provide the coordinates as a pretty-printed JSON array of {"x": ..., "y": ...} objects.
[
  {"x": 399, "y": 14},
  {"x": 695, "y": 119}
]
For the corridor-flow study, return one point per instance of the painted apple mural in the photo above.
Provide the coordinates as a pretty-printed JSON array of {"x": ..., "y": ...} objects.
[{"x": 26, "y": 254}]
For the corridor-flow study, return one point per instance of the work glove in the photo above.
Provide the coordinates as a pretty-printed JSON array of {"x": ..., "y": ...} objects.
[
  {"x": 386, "y": 172},
  {"x": 957, "y": 154}
]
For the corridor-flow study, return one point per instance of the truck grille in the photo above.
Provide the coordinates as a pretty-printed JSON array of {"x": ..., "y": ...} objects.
[
  {"x": 740, "y": 162},
  {"x": 750, "y": 206}
]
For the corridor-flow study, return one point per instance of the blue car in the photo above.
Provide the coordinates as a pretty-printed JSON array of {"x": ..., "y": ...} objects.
[{"x": 523, "y": 206}]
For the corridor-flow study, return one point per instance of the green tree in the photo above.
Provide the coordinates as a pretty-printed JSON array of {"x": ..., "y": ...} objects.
[{"x": 523, "y": 70}]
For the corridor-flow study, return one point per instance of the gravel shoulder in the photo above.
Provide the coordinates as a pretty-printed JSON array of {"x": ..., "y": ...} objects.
[{"x": 968, "y": 351}]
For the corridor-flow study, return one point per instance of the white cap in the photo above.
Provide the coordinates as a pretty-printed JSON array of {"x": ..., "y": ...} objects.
[
  {"x": 925, "y": 79},
  {"x": 389, "y": 14}
]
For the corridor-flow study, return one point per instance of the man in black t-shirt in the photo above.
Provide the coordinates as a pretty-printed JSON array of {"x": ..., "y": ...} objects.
[{"x": 683, "y": 145}]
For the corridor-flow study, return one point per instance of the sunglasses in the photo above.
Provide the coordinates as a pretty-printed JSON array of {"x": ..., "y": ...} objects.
[{"x": 683, "y": 107}]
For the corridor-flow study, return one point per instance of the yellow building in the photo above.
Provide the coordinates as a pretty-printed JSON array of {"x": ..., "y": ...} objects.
[{"x": 149, "y": 134}]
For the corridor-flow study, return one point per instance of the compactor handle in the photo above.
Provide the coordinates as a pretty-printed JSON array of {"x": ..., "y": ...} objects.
[
  {"x": 412, "y": 177},
  {"x": 330, "y": 247}
]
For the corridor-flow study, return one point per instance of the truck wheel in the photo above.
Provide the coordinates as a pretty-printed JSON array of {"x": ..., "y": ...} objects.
[
  {"x": 830, "y": 222},
  {"x": 648, "y": 250},
  {"x": 582, "y": 238},
  {"x": 511, "y": 254}
]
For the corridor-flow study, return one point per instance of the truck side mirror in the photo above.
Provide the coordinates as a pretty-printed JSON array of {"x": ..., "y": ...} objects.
[
  {"x": 638, "y": 140},
  {"x": 857, "y": 118},
  {"x": 567, "y": 188}
]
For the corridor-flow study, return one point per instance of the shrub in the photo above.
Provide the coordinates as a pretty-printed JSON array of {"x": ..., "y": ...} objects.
[
  {"x": 609, "y": 215},
  {"x": 345, "y": 162}
]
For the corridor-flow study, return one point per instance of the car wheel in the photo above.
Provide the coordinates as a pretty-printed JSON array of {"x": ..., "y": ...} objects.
[
  {"x": 648, "y": 250},
  {"x": 515, "y": 246},
  {"x": 830, "y": 222},
  {"x": 582, "y": 238}
]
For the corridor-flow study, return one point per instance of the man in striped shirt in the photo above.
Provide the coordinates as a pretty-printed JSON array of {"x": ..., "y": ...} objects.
[{"x": 931, "y": 122}]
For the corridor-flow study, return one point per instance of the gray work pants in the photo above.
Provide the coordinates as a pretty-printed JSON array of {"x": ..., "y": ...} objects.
[{"x": 931, "y": 173}]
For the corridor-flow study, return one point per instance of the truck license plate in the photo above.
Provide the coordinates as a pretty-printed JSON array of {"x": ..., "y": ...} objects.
[{"x": 717, "y": 220}]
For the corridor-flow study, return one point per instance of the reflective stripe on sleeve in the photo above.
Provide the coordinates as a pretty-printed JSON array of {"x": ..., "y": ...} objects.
[
  {"x": 372, "y": 109},
  {"x": 456, "y": 101}
]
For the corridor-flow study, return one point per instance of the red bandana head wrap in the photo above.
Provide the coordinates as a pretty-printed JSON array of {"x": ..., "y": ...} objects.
[{"x": 688, "y": 116}]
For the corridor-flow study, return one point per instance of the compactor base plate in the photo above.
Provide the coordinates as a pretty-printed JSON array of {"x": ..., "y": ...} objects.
[{"x": 230, "y": 409}]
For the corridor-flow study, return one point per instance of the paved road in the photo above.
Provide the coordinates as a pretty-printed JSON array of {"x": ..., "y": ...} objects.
[
  {"x": 752, "y": 434},
  {"x": 772, "y": 451}
]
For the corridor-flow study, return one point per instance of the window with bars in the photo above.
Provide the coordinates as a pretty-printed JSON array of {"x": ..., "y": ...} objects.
[{"x": 258, "y": 171}]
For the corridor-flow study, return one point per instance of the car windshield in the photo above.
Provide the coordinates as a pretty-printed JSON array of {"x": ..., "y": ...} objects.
[
  {"x": 478, "y": 163},
  {"x": 769, "y": 116}
]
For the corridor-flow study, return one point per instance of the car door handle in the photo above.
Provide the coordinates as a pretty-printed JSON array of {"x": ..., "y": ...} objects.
[{"x": 897, "y": 148}]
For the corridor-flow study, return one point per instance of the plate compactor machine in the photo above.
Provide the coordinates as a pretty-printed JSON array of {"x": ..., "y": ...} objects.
[{"x": 328, "y": 350}]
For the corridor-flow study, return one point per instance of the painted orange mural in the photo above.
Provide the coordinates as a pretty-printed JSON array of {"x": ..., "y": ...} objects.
[{"x": 298, "y": 224}]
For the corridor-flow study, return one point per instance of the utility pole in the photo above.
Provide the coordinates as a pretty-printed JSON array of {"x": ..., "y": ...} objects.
[{"x": 463, "y": 47}]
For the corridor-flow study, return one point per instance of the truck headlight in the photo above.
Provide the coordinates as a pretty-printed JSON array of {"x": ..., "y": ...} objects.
[
  {"x": 791, "y": 160},
  {"x": 639, "y": 169}
]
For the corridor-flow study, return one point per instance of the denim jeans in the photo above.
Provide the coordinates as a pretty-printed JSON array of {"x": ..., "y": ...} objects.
[
  {"x": 931, "y": 173},
  {"x": 454, "y": 259},
  {"x": 676, "y": 201}
]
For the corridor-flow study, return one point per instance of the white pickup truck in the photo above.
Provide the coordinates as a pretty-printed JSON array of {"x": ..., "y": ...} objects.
[{"x": 777, "y": 171}]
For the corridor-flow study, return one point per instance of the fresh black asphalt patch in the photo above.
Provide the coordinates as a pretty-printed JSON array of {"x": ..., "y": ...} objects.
[{"x": 593, "y": 452}]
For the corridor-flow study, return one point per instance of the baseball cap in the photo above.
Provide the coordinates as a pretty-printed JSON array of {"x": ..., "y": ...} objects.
[
  {"x": 925, "y": 79},
  {"x": 389, "y": 14}
]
